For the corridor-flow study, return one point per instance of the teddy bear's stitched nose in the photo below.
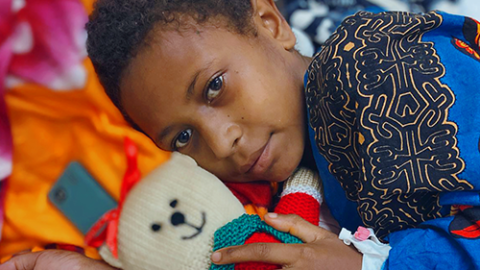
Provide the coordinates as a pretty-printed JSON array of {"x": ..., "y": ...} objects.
[{"x": 177, "y": 219}]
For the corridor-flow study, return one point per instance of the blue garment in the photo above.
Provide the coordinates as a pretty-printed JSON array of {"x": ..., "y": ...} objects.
[{"x": 393, "y": 105}]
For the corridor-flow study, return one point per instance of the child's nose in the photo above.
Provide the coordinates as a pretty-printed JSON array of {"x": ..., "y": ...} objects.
[{"x": 223, "y": 138}]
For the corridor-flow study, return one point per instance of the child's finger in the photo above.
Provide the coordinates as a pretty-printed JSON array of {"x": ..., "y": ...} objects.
[
  {"x": 5, "y": 259},
  {"x": 25, "y": 261},
  {"x": 297, "y": 226},
  {"x": 22, "y": 252},
  {"x": 53, "y": 260},
  {"x": 273, "y": 253}
]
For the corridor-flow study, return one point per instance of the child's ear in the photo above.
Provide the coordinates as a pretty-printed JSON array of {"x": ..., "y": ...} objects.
[{"x": 268, "y": 17}]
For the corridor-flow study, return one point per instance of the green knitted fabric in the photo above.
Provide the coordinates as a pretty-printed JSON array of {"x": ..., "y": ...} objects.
[{"x": 239, "y": 230}]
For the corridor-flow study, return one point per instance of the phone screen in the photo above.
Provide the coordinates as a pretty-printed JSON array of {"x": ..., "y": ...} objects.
[{"x": 80, "y": 197}]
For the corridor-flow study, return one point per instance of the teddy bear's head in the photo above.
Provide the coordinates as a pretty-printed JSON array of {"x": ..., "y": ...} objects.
[{"x": 169, "y": 218}]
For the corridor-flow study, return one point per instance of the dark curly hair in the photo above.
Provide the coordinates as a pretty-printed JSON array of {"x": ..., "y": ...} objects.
[{"x": 118, "y": 29}]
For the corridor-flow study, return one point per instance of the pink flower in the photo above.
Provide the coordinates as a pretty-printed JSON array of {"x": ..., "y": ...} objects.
[
  {"x": 5, "y": 55},
  {"x": 48, "y": 42},
  {"x": 362, "y": 233}
]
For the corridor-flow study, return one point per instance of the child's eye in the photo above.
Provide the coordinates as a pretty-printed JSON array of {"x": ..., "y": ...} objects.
[
  {"x": 214, "y": 88},
  {"x": 182, "y": 139}
]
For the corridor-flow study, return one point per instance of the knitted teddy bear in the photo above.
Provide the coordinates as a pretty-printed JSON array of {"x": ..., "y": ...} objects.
[{"x": 175, "y": 217}]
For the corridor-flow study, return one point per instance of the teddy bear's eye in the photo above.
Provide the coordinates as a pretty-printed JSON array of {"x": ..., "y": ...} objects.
[
  {"x": 173, "y": 203},
  {"x": 156, "y": 227}
]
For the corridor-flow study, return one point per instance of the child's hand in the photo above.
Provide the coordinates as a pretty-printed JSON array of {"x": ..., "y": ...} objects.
[
  {"x": 53, "y": 260},
  {"x": 322, "y": 249}
]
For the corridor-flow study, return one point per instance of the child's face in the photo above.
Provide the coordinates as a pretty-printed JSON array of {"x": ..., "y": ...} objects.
[{"x": 234, "y": 103}]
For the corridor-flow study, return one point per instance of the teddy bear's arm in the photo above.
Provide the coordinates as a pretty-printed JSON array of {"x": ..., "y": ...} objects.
[{"x": 302, "y": 195}]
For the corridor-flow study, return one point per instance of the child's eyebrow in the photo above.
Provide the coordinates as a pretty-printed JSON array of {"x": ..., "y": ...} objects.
[
  {"x": 164, "y": 133},
  {"x": 191, "y": 87}
]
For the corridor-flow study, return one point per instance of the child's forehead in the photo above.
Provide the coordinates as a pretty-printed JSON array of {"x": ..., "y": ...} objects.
[
  {"x": 167, "y": 68},
  {"x": 183, "y": 37},
  {"x": 182, "y": 53}
]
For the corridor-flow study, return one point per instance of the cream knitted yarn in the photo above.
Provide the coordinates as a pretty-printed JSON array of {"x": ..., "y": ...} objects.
[{"x": 305, "y": 181}]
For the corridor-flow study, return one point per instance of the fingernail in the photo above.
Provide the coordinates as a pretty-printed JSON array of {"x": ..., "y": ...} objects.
[
  {"x": 216, "y": 257},
  {"x": 272, "y": 215}
]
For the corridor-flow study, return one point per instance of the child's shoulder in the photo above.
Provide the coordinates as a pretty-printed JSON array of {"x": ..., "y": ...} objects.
[
  {"x": 367, "y": 43},
  {"x": 391, "y": 89},
  {"x": 366, "y": 31}
]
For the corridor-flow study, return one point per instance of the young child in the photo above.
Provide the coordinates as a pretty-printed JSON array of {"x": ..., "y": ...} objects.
[{"x": 391, "y": 125}]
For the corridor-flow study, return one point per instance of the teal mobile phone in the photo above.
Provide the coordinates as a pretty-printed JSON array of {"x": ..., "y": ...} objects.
[{"x": 80, "y": 197}]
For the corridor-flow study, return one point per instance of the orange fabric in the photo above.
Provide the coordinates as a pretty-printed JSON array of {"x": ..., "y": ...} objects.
[
  {"x": 252, "y": 209},
  {"x": 51, "y": 129},
  {"x": 88, "y": 5}
]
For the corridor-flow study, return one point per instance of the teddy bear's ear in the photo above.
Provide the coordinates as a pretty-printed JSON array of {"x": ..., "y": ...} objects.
[{"x": 109, "y": 258}]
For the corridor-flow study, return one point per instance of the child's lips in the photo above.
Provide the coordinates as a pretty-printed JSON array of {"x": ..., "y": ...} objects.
[
  {"x": 244, "y": 169},
  {"x": 261, "y": 162}
]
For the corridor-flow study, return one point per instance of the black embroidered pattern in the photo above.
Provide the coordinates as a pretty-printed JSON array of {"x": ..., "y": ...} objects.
[{"x": 379, "y": 112}]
